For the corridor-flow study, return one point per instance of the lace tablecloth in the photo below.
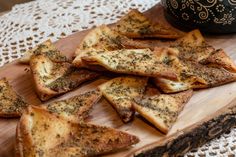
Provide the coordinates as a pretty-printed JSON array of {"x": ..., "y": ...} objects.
[{"x": 31, "y": 23}]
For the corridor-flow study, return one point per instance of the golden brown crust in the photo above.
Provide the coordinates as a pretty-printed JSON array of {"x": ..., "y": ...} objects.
[
  {"x": 193, "y": 38},
  {"x": 121, "y": 91},
  {"x": 193, "y": 47},
  {"x": 75, "y": 108},
  {"x": 97, "y": 140},
  {"x": 53, "y": 78},
  {"x": 141, "y": 62},
  {"x": 162, "y": 110},
  {"x": 18, "y": 144},
  {"x": 35, "y": 124},
  {"x": 40, "y": 64},
  {"x": 219, "y": 58},
  {"x": 46, "y": 48},
  {"x": 24, "y": 139},
  {"x": 196, "y": 76},
  {"x": 99, "y": 39},
  {"x": 79, "y": 63},
  {"x": 191, "y": 74},
  {"x": 169, "y": 86},
  {"x": 67, "y": 138},
  {"x": 212, "y": 76},
  {"x": 103, "y": 39},
  {"x": 140, "y": 36},
  {"x": 11, "y": 104},
  {"x": 139, "y": 44},
  {"x": 136, "y": 25}
]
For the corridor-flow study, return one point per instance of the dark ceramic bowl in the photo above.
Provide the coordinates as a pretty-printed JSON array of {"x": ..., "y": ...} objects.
[{"x": 213, "y": 16}]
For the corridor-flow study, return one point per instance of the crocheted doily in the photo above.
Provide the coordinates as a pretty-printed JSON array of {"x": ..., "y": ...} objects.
[{"x": 31, "y": 23}]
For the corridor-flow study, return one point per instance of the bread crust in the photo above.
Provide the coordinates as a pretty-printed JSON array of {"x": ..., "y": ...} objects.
[
  {"x": 18, "y": 144},
  {"x": 52, "y": 78},
  {"x": 162, "y": 110},
  {"x": 75, "y": 138},
  {"x": 141, "y": 62},
  {"x": 202, "y": 77},
  {"x": 101, "y": 38},
  {"x": 136, "y": 25},
  {"x": 219, "y": 58},
  {"x": 11, "y": 104},
  {"x": 121, "y": 91},
  {"x": 193, "y": 47},
  {"x": 43, "y": 92},
  {"x": 45, "y": 48},
  {"x": 190, "y": 74},
  {"x": 76, "y": 108}
]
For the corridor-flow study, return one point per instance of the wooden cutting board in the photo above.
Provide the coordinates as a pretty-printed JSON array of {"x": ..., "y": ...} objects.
[{"x": 208, "y": 114}]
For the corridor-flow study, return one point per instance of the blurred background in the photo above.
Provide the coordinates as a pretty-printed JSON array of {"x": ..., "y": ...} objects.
[{"x": 6, "y": 5}]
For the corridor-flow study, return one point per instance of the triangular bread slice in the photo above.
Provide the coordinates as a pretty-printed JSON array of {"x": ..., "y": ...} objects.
[
  {"x": 136, "y": 25},
  {"x": 196, "y": 77},
  {"x": 11, "y": 104},
  {"x": 219, "y": 58},
  {"x": 101, "y": 38},
  {"x": 191, "y": 75},
  {"x": 53, "y": 78},
  {"x": 194, "y": 47},
  {"x": 76, "y": 108},
  {"x": 46, "y": 48},
  {"x": 212, "y": 76},
  {"x": 121, "y": 91},
  {"x": 79, "y": 63},
  {"x": 40, "y": 133},
  {"x": 141, "y": 62},
  {"x": 170, "y": 56},
  {"x": 162, "y": 110}
]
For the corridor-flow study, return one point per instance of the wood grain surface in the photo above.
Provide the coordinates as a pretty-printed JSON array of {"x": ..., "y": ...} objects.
[
  {"x": 210, "y": 107},
  {"x": 6, "y": 5}
]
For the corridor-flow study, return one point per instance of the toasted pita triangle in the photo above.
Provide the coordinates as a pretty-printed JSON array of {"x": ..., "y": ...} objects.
[
  {"x": 11, "y": 104},
  {"x": 141, "y": 62},
  {"x": 75, "y": 108},
  {"x": 162, "y": 110},
  {"x": 211, "y": 75},
  {"x": 219, "y": 58},
  {"x": 136, "y": 25},
  {"x": 101, "y": 38},
  {"x": 53, "y": 78},
  {"x": 191, "y": 75},
  {"x": 194, "y": 47},
  {"x": 46, "y": 48},
  {"x": 198, "y": 76},
  {"x": 192, "y": 38},
  {"x": 67, "y": 138},
  {"x": 120, "y": 92},
  {"x": 170, "y": 56}
]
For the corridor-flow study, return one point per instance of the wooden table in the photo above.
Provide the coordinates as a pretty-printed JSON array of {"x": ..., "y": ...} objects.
[{"x": 2, "y": 13}]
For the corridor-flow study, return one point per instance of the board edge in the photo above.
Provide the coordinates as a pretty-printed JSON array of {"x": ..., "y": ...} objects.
[{"x": 193, "y": 136}]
